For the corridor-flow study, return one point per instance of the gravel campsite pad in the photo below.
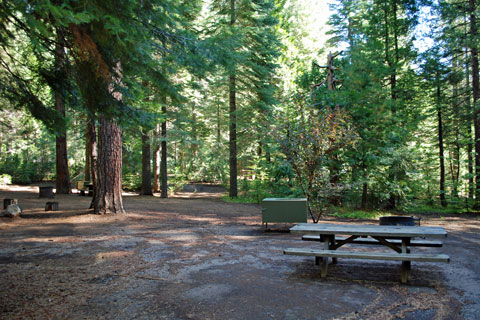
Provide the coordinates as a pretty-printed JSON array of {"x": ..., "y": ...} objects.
[{"x": 193, "y": 256}]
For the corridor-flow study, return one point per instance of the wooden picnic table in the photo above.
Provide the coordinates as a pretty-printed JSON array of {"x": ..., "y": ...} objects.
[{"x": 397, "y": 238}]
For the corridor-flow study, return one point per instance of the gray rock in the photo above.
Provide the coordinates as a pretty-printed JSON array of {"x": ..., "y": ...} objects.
[{"x": 12, "y": 211}]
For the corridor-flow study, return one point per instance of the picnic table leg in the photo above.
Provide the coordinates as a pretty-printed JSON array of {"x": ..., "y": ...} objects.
[
  {"x": 406, "y": 265},
  {"x": 404, "y": 274},
  {"x": 326, "y": 246},
  {"x": 405, "y": 249},
  {"x": 331, "y": 246}
]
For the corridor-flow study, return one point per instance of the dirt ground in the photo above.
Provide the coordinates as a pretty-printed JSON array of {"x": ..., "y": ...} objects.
[{"x": 193, "y": 256}]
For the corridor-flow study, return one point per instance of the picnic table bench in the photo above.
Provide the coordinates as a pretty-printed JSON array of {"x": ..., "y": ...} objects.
[
  {"x": 365, "y": 240},
  {"x": 397, "y": 238}
]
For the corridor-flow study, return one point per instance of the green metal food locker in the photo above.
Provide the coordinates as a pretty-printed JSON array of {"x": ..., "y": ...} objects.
[{"x": 284, "y": 210}]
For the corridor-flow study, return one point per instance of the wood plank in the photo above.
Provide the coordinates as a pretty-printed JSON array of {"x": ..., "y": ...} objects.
[
  {"x": 392, "y": 245},
  {"x": 413, "y": 243},
  {"x": 369, "y": 230},
  {"x": 368, "y": 255}
]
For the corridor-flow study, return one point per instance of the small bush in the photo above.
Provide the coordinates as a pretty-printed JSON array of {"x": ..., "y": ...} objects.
[
  {"x": 358, "y": 214},
  {"x": 5, "y": 179},
  {"x": 132, "y": 182}
]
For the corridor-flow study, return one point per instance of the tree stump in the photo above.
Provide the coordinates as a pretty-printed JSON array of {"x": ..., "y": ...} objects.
[
  {"x": 51, "y": 206},
  {"x": 46, "y": 192},
  {"x": 7, "y": 202}
]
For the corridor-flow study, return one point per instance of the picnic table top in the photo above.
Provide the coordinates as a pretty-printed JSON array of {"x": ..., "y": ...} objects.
[{"x": 369, "y": 230}]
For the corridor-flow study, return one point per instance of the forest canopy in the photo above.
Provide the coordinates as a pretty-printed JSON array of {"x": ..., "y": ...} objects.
[{"x": 374, "y": 107}]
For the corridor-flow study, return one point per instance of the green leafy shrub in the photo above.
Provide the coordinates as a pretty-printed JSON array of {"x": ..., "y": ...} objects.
[
  {"x": 132, "y": 181},
  {"x": 5, "y": 179}
]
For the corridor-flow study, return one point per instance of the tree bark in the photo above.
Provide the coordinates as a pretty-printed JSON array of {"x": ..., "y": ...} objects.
[
  {"x": 392, "y": 63},
  {"x": 92, "y": 156},
  {"x": 233, "y": 140},
  {"x": 364, "y": 188},
  {"x": 88, "y": 150},
  {"x": 109, "y": 170},
  {"x": 476, "y": 97},
  {"x": 470, "y": 138},
  {"x": 63, "y": 176},
  {"x": 440, "y": 145},
  {"x": 364, "y": 195},
  {"x": 146, "y": 167},
  {"x": 456, "y": 148},
  {"x": 163, "y": 164},
  {"x": 156, "y": 161},
  {"x": 233, "y": 192}
]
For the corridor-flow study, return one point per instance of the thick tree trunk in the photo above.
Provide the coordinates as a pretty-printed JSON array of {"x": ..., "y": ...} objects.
[
  {"x": 146, "y": 167},
  {"x": 163, "y": 164},
  {"x": 476, "y": 97},
  {"x": 156, "y": 161},
  {"x": 63, "y": 176},
  {"x": 109, "y": 169}
]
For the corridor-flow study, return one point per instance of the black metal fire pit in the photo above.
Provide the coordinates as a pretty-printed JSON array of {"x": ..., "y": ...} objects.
[{"x": 398, "y": 221}]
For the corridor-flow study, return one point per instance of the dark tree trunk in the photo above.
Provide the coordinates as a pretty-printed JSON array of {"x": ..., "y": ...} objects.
[
  {"x": 92, "y": 156},
  {"x": 440, "y": 145},
  {"x": 364, "y": 195},
  {"x": 364, "y": 189},
  {"x": 456, "y": 148},
  {"x": 63, "y": 176},
  {"x": 156, "y": 161},
  {"x": 233, "y": 121},
  {"x": 471, "y": 183},
  {"x": 88, "y": 150},
  {"x": 233, "y": 140},
  {"x": 476, "y": 97},
  {"x": 219, "y": 129},
  {"x": 392, "y": 61},
  {"x": 163, "y": 164},
  {"x": 146, "y": 167},
  {"x": 194, "y": 138},
  {"x": 109, "y": 169},
  {"x": 470, "y": 138}
]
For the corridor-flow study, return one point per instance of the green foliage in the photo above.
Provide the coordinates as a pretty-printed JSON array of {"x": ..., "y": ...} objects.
[
  {"x": 311, "y": 139},
  {"x": 358, "y": 214},
  {"x": 439, "y": 210},
  {"x": 5, "y": 179},
  {"x": 132, "y": 181},
  {"x": 25, "y": 172}
]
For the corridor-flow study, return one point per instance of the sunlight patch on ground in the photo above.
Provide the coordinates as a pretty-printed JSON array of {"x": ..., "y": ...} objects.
[
  {"x": 246, "y": 238},
  {"x": 17, "y": 188},
  {"x": 200, "y": 219},
  {"x": 52, "y": 239},
  {"x": 104, "y": 256},
  {"x": 196, "y": 195}
]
